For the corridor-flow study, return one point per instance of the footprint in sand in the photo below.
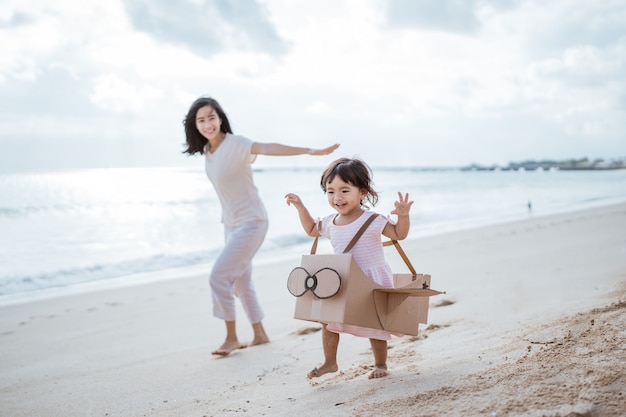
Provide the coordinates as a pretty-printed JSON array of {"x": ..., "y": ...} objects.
[
  {"x": 307, "y": 330},
  {"x": 432, "y": 327},
  {"x": 444, "y": 302}
]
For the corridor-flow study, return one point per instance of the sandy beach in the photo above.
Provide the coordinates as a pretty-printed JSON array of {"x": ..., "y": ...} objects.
[{"x": 532, "y": 324}]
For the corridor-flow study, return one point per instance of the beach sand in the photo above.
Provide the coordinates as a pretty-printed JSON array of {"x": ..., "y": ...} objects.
[{"x": 532, "y": 324}]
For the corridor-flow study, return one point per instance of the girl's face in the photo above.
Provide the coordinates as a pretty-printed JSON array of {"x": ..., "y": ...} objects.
[
  {"x": 344, "y": 197},
  {"x": 208, "y": 123}
]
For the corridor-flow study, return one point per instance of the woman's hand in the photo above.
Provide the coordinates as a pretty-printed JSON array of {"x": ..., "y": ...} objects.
[{"x": 324, "y": 151}]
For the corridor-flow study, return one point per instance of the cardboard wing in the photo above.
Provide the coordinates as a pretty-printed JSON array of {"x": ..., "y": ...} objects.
[{"x": 332, "y": 288}]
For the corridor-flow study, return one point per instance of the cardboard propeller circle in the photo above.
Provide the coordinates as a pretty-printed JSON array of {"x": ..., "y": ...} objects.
[{"x": 324, "y": 283}]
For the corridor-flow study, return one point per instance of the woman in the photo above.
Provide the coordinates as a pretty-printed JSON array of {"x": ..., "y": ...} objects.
[{"x": 228, "y": 160}]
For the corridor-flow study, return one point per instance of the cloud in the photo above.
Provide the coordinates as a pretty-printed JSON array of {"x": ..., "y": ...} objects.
[
  {"x": 15, "y": 20},
  {"x": 477, "y": 81},
  {"x": 113, "y": 93},
  {"x": 447, "y": 15},
  {"x": 569, "y": 24},
  {"x": 207, "y": 26}
]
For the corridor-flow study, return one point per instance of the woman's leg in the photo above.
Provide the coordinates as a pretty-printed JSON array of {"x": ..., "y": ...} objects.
[
  {"x": 260, "y": 336},
  {"x": 231, "y": 343},
  {"x": 232, "y": 275},
  {"x": 254, "y": 234}
]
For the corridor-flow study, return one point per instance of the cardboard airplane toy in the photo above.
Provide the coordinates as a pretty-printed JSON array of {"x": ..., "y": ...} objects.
[{"x": 332, "y": 288}]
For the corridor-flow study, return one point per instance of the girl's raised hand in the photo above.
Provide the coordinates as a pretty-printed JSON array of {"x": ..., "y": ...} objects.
[
  {"x": 403, "y": 205},
  {"x": 293, "y": 199}
]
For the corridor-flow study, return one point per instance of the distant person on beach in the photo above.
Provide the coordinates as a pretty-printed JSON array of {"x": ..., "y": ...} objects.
[
  {"x": 347, "y": 184},
  {"x": 228, "y": 159}
]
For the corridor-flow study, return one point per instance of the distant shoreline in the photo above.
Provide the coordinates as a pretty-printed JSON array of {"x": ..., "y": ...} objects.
[
  {"x": 583, "y": 164},
  {"x": 550, "y": 168}
]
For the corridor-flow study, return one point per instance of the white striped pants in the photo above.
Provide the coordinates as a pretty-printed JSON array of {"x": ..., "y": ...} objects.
[{"x": 232, "y": 272}]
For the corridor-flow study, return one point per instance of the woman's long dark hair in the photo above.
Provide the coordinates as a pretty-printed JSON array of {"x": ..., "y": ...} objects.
[{"x": 195, "y": 140}]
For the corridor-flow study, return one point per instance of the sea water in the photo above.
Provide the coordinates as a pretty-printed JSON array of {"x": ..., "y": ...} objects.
[{"x": 102, "y": 227}]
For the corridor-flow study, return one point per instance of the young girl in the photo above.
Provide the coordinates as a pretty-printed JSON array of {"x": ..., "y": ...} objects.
[
  {"x": 347, "y": 183},
  {"x": 228, "y": 158}
]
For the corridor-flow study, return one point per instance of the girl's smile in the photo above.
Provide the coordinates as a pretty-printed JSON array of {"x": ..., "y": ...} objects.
[{"x": 345, "y": 198}]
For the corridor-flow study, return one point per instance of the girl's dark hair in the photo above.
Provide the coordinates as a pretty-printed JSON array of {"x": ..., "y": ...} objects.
[
  {"x": 352, "y": 171},
  {"x": 195, "y": 140}
]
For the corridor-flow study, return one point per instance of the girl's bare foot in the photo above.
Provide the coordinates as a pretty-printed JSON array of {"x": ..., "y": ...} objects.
[
  {"x": 227, "y": 347},
  {"x": 378, "y": 372},
  {"x": 324, "y": 369}
]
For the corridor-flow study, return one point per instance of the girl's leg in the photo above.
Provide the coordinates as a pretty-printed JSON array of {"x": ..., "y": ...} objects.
[
  {"x": 379, "y": 348},
  {"x": 330, "y": 343}
]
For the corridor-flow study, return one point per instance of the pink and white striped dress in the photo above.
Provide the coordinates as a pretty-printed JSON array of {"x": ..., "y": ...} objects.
[{"x": 368, "y": 255}]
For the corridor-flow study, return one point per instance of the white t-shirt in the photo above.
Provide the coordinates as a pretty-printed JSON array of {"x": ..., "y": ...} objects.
[{"x": 230, "y": 172}]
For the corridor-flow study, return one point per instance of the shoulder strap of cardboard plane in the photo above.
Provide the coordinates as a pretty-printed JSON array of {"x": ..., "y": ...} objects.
[
  {"x": 354, "y": 239},
  {"x": 402, "y": 254},
  {"x": 360, "y": 232}
]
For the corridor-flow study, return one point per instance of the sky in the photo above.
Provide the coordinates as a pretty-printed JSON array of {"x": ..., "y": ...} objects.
[{"x": 92, "y": 84}]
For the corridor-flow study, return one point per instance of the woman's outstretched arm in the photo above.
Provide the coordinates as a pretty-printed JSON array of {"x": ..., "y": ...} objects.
[{"x": 278, "y": 149}]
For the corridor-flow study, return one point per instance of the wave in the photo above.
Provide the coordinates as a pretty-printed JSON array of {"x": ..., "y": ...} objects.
[
  {"x": 103, "y": 271},
  {"x": 125, "y": 205},
  {"x": 284, "y": 241},
  {"x": 99, "y": 272}
]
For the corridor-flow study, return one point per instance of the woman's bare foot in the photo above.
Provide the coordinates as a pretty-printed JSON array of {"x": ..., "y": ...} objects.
[
  {"x": 227, "y": 347},
  {"x": 260, "y": 340},
  {"x": 324, "y": 369},
  {"x": 260, "y": 337},
  {"x": 378, "y": 372}
]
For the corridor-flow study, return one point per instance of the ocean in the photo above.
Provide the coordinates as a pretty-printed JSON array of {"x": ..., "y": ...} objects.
[{"x": 96, "y": 228}]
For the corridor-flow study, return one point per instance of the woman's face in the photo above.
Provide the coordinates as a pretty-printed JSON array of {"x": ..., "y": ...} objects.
[{"x": 208, "y": 123}]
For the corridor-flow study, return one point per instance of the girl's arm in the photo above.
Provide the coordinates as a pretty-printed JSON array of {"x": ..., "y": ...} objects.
[
  {"x": 277, "y": 149},
  {"x": 400, "y": 230},
  {"x": 307, "y": 221}
]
